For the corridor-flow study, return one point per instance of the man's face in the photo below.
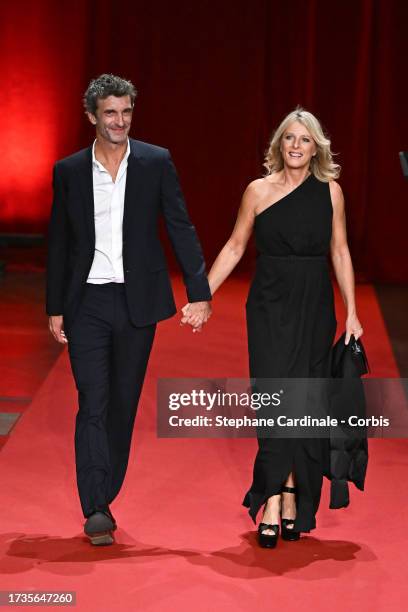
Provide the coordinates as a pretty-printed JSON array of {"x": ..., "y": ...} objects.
[{"x": 112, "y": 119}]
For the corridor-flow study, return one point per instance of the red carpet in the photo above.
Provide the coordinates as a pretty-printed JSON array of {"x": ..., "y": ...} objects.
[{"x": 184, "y": 540}]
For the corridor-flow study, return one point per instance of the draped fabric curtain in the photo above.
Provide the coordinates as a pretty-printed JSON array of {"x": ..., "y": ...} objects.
[{"x": 214, "y": 80}]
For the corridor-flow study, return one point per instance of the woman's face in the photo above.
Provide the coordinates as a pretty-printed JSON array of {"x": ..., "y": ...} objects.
[{"x": 297, "y": 146}]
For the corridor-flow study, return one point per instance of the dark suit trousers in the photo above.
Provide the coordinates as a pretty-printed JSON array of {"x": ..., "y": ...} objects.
[{"x": 108, "y": 358}]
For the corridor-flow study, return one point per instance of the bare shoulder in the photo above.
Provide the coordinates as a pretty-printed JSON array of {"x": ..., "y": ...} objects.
[
  {"x": 258, "y": 192},
  {"x": 336, "y": 194},
  {"x": 255, "y": 192},
  {"x": 335, "y": 190},
  {"x": 257, "y": 188}
]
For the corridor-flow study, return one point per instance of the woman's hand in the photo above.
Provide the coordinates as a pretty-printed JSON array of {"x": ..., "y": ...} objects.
[
  {"x": 196, "y": 314},
  {"x": 353, "y": 327}
]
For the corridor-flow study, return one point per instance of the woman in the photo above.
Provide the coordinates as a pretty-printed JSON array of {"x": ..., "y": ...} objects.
[{"x": 297, "y": 213}]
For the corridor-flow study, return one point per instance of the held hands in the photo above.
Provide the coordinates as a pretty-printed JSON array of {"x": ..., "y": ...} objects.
[
  {"x": 196, "y": 314},
  {"x": 55, "y": 325},
  {"x": 353, "y": 327}
]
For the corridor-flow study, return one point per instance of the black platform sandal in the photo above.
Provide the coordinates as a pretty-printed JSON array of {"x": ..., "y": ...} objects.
[
  {"x": 288, "y": 534},
  {"x": 267, "y": 540}
]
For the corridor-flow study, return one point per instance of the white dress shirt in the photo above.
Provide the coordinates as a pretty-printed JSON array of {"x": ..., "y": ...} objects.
[{"x": 109, "y": 199}]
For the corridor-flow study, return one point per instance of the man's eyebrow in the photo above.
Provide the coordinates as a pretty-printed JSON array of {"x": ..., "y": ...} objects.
[{"x": 113, "y": 110}]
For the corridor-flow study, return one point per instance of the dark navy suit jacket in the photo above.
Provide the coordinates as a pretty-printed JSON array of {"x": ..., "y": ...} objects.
[{"x": 152, "y": 189}]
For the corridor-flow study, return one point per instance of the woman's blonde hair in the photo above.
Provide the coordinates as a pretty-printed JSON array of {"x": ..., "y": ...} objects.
[{"x": 321, "y": 165}]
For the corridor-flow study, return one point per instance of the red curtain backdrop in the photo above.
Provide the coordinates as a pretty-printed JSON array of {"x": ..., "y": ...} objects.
[{"x": 214, "y": 79}]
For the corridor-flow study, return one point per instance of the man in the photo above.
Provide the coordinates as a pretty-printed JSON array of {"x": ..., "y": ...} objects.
[{"x": 108, "y": 284}]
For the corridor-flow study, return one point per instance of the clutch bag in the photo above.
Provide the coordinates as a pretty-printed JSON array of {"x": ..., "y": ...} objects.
[{"x": 349, "y": 360}]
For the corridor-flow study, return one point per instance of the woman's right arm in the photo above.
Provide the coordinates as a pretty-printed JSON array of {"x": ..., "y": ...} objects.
[{"x": 235, "y": 247}]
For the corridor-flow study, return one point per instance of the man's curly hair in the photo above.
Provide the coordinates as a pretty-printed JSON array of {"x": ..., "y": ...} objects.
[{"x": 107, "y": 85}]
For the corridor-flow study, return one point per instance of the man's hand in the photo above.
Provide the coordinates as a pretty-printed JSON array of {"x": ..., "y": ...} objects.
[
  {"x": 55, "y": 325},
  {"x": 196, "y": 314}
]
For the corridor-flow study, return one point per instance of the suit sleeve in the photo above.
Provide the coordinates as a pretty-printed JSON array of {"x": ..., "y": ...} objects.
[
  {"x": 182, "y": 235},
  {"x": 57, "y": 248}
]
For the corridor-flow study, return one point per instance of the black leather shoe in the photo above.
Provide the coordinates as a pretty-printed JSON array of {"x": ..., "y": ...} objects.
[
  {"x": 267, "y": 540},
  {"x": 99, "y": 527},
  {"x": 112, "y": 518},
  {"x": 288, "y": 534}
]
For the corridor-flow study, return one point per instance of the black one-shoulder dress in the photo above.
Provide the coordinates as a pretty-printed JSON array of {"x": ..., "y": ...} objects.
[{"x": 291, "y": 326}]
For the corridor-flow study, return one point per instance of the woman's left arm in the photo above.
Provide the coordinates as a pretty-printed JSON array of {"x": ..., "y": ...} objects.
[{"x": 341, "y": 259}]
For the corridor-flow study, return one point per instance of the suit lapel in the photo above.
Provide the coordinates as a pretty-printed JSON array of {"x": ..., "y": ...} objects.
[
  {"x": 86, "y": 180},
  {"x": 134, "y": 179}
]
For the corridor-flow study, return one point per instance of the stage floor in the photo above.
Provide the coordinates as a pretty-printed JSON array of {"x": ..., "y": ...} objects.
[{"x": 184, "y": 541}]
